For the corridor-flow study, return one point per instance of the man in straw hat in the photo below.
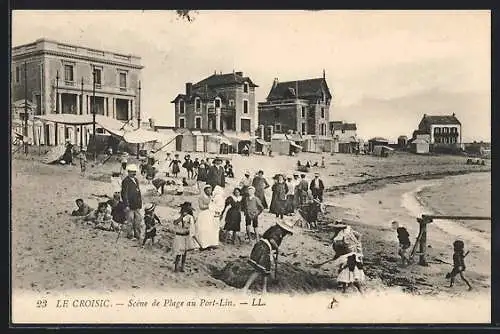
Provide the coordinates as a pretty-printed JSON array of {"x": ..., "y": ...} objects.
[
  {"x": 317, "y": 187},
  {"x": 132, "y": 198},
  {"x": 261, "y": 257}
]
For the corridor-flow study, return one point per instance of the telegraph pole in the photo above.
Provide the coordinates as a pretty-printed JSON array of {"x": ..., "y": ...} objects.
[
  {"x": 25, "y": 110},
  {"x": 93, "y": 114},
  {"x": 57, "y": 108},
  {"x": 139, "y": 115},
  {"x": 81, "y": 113}
]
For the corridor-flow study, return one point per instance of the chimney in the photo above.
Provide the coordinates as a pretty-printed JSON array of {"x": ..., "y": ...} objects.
[
  {"x": 453, "y": 114},
  {"x": 239, "y": 73},
  {"x": 275, "y": 82},
  {"x": 324, "y": 74},
  {"x": 189, "y": 88},
  {"x": 152, "y": 123},
  {"x": 215, "y": 72}
]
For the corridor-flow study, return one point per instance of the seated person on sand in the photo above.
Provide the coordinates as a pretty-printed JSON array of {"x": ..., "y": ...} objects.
[
  {"x": 103, "y": 219},
  {"x": 83, "y": 211},
  {"x": 118, "y": 212}
]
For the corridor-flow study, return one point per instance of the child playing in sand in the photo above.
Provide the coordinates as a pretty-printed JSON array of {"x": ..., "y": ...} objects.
[
  {"x": 252, "y": 208},
  {"x": 184, "y": 232},
  {"x": 83, "y": 161},
  {"x": 404, "y": 242},
  {"x": 351, "y": 271},
  {"x": 261, "y": 257},
  {"x": 150, "y": 220},
  {"x": 458, "y": 263},
  {"x": 103, "y": 219},
  {"x": 83, "y": 209}
]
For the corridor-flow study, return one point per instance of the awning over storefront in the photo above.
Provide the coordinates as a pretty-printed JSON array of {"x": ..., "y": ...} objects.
[{"x": 262, "y": 141}]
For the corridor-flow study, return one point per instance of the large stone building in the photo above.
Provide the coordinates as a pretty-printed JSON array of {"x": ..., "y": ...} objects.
[
  {"x": 59, "y": 79},
  {"x": 301, "y": 106},
  {"x": 220, "y": 102}
]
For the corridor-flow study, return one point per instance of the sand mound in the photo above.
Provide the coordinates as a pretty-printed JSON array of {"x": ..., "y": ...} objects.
[{"x": 290, "y": 279}]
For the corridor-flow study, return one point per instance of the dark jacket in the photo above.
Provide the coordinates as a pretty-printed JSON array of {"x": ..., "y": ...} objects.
[
  {"x": 216, "y": 177},
  {"x": 131, "y": 194},
  {"x": 321, "y": 186}
]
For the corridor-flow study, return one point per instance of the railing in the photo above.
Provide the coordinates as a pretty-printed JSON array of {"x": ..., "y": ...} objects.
[
  {"x": 422, "y": 234},
  {"x": 223, "y": 110}
]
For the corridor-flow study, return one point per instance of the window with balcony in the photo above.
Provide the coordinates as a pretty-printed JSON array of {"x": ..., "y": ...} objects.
[
  {"x": 182, "y": 107},
  {"x": 245, "y": 87},
  {"x": 123, "y": 81},
  {"x": 182, "y": 123},
  {"x": 245, "y": 106},
  {"x": 198, "y": 105},
  {"x": 437, "y": 130},
  {"x": 197, "y": 122},
  {"x": 303, "y": 112},
  {"x": 217, "y": 103},
  {"x": 68, "y": 73}
]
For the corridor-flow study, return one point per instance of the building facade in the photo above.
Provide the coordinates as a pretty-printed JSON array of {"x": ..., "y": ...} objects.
[
  {"x": 443, "y": 130},
  {"x": 59, "y": 78},
  {"x": 220, "y": 102},
  {"x": 301, "y": 106}
]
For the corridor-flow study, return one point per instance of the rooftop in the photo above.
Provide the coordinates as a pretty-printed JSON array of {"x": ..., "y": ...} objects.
[
  {"x": 441, "y": 119},
  {"x": 49, "y": 45},
  {"x": 299, "y": 89}
]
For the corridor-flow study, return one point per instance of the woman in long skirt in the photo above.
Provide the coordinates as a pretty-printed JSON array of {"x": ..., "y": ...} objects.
[
  {"x": 207, "y": 231},
  {"x": 233, "y": 215},
  {"x": 280, "y": 190}
]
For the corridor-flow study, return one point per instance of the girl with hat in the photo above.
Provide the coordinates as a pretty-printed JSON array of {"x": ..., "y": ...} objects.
[
  {"x": 261, "y": 257},
  {"x": 184, "y": 233},
  {"x": 202, "y": 175},
  {"x": 150, "y": 220},
  {"x": 175, "y": 165}
]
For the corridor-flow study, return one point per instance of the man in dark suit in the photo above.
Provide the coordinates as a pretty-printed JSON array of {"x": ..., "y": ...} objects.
[
  {"x": 216, "y": 175},
  {"x": 131, "y": 197},
  {"x": 317, "y": 187}
]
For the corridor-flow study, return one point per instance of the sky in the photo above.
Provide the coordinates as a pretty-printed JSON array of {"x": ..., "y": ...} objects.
[{"x": 385, "y": 69}]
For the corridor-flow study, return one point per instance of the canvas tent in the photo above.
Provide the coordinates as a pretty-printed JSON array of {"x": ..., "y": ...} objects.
[
  {"x": 382, "y": 150},
  {"x": 420, "y": 146}
]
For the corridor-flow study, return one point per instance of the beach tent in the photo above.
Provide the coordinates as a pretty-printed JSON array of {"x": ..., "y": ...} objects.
[
  {"x": 382, "y": 150},
  {"x": 420, "y": 146}
]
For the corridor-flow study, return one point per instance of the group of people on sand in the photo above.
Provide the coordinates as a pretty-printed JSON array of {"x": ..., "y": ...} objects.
[{"x": 217, "y": 218}]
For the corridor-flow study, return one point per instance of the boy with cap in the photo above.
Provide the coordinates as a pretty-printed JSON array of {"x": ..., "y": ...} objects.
[
  {"x": 252, "y": 208},
  {"x": 83, "y": 161}
]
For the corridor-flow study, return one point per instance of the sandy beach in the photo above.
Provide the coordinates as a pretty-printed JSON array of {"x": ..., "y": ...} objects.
[{"x": 53, "y": 254}]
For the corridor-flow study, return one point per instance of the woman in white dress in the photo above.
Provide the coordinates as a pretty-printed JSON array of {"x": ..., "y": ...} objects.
[
  {"x": 351, "y": 271},
  {"x": 207, "y": 227}
]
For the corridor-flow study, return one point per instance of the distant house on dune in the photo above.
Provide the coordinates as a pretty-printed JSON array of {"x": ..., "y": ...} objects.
[
  {"x": 344, "y": 136},
  {"x": 443, "y": 132}
]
